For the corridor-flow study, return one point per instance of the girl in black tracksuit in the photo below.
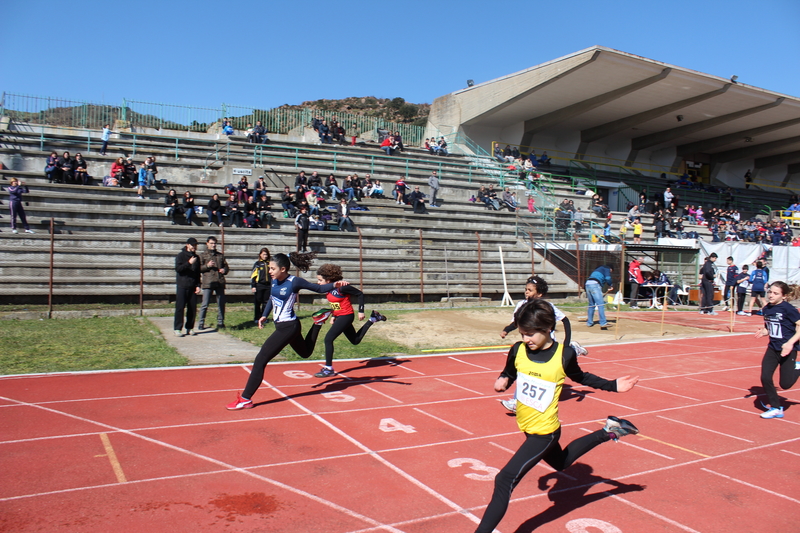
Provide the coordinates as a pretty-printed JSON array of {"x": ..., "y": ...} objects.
[{"x": 260, "y": 283}]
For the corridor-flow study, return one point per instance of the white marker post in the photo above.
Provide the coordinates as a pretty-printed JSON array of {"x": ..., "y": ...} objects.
[{"x": 507, "y": 301}]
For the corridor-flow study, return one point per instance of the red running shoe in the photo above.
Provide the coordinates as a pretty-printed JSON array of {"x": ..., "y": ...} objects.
[
  {"x": 319, "y": 317},
  {"x": 240, "y": 403}
]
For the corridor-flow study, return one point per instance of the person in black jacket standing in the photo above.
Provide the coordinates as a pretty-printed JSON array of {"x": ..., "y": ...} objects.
[
  {"x": 707, "y": 274},
  {"x": 260, "y": 283},
  {"x": 187, "y": 280},
  {"x": 302, "y": 224}
]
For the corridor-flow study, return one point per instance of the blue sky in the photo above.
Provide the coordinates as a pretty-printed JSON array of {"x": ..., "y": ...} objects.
[{"x": 268, "y": 53}]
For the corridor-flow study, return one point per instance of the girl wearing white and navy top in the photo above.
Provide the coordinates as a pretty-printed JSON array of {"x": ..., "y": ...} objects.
[
  {"x": 537, "y": 287},
  {"x": 283, "y": 296},
  {"x": 782, "y": 324},
  {"x": 540, "y": 365}
]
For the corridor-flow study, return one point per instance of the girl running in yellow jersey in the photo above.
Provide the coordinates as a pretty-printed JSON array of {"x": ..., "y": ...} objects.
[{"x": 540, "y": 364}]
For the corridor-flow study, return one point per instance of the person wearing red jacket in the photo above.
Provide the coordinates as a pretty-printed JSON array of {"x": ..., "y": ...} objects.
[{"x": 635, "y": 278}]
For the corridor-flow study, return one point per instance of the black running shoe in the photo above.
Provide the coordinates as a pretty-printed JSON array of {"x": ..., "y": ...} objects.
[
  {"x": 618, "y": 427},
  {"x": 377, "y": 317}
]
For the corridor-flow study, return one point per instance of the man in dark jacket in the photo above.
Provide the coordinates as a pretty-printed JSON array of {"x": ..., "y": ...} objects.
[
  {"x": 302, "y": 224},
  {"x": 187, "y": 267},
  {"x": 707, "y": 274},
  {"x": 213, "y": 268},
  {"x": 417, "y": 199}
]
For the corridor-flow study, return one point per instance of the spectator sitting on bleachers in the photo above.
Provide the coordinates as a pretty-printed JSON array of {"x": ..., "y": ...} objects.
[
  {"x": 510, "y": 199},
  {"x": 348, "y": 189},
  {"x": 529, "y": 165},
  {"x": 248, "y": 131},
  {"x": 698, "y": 215},
  {"x": 325, "y": 133},
  {"x": 118, "y": 170},
  {"x": 333, "y": 188},
  {"x": 442, "y": 147},
  {"x": 172, "y": 205},
  {"x": 242, "y": 190},
  {"x": 264, "y": 205},
  {"x": 260, "y": 188},
  {"x": 152, "y": 170},
  {"x": 315, "y": 184},
  {"x": 51, "y": 169},
  {"x": 214, "y": 208},
  {"x": 301, "y": 179},
  {"x": 577, "y": 219},
  {"x": 498, "y": 154},
  {"x": 417, "y": 199},
  {"x": 67, "y": 166},
  {"x": 287, "y": 202},
  {"x": 398, "y": 141},
  {"x": 343, "y": 216},
  {"x": 683, "y": 182},
  {"x": 315, "y": 123},
  {"x": 188, "y": 207},
  {"x": 227, "y": 128},
  {"x": 260, "y": 134},
  {"x": 545, "y": 159},
  {"x": 313, "y": 203},
  {"x": 508, "y": 156},
  {"x": 377, "y": 189},
  {"x": 82, "y": 174},
  {"x": 131, "y": 174},
  {"x": 388, "y": 145},
  {"x": 251, "y": 218},
  {"x": 358, "y": 187},
  {"x": 634, "y": 213},
  {"x": 235, "y": 215}
]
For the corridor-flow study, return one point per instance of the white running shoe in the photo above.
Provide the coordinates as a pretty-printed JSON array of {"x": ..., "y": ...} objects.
[
  {"x": 618, "y": 427},
  {"x": 775, "y": 412},
  {"x": 510, "y": 405},
  {"x": 580, "y": 350}
]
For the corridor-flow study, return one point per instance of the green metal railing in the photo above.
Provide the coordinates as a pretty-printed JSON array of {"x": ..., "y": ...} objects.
[{"x": 80, "y": 114}]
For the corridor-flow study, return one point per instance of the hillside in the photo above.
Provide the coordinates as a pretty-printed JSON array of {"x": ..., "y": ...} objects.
[{"x": 390, "y": 109}]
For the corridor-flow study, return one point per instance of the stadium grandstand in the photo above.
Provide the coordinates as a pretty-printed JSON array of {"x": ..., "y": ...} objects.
[{"x": 609, "y": 131}]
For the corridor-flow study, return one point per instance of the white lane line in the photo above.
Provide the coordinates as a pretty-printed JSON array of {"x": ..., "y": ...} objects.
[
  {"x": 755, "y": 413},
  {"x": 217, "y": 462},
  {"x": 468, "y": 363},
  {"x": 627, "y": 443},
  {"x": 382, "y": 394},
  {"x": 639, "y": 386},
  {"x": 512, "y": 452},
  {"x": 746, "y": 484},
  {"x": 411, "y": 370},
  {"x": 583, "y": 392},
  {"x": 652, "y": 513},
  {"x": 384, "y": 461},
  {"x": 460, "y": 387},
  {"x": 704, "y": 429},
  {"x": 791, "y": 453},
  {"x": 444, "y": 421}
]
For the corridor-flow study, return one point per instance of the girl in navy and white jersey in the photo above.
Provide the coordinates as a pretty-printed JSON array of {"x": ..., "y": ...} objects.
[
  {"x": 536, "y": 287},
  {"x": 782, "y": 324},
  {"x": 283, "y": 296}
]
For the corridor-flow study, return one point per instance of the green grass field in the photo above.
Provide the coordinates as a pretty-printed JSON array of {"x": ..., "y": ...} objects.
[{"x": 31, "y": 346}]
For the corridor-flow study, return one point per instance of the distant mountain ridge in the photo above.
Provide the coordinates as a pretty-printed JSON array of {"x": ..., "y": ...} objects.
[{"x": 389, "y": 109}]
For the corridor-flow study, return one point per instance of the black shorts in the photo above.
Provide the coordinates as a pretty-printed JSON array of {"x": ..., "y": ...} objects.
[{"x": 760, "y": 294}]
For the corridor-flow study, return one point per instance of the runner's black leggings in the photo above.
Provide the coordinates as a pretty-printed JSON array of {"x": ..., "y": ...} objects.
[
  {"x": 534, "y": 449},
  {"x": 342, "y": 324},
  {"x": 788, "y": 374},
  {"x": 285, "y": 334}
]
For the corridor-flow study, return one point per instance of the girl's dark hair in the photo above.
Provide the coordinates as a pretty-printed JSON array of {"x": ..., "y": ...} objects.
[
  {"x": 535, "y": 315},
  {"x": 540, "y": 284},
  {"x": 301, "y": 261},
  {"x": 330, "y": 272},
  {"x": 265, "y": 249},
  {"x": 785, "y": 289}
]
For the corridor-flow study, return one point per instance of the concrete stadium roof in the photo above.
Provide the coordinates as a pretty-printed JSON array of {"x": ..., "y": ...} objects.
[{"x": 603, "y": 102}]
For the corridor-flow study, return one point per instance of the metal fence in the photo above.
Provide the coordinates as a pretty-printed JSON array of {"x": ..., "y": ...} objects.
[
  {"x": 65, "y": 271},
  {"x": 81, "y": 114}
]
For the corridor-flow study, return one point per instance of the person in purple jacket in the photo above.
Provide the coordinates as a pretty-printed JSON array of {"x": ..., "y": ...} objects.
[{"x": 15, "y": 192}]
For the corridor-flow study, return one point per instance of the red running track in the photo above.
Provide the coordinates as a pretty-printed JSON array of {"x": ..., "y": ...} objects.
[{"x": 408, "y": 445}]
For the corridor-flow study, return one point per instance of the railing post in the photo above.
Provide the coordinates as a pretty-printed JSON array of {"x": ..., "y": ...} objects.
[
  {"x": 421, "y": 271},
  {"x": 52, "y": 267},
  {"x": 533, "y": 262},
  {"x": 134, "y": 146},
  {"x": 360, "y": 259},
  {"x": 480, "y": 269},
  {"x": 176, "y": 149},
  {"x": 141, "y": 271}
]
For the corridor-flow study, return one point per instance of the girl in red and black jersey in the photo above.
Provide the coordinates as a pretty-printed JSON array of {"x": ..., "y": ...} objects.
[{"x": 343, "y": 315}]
